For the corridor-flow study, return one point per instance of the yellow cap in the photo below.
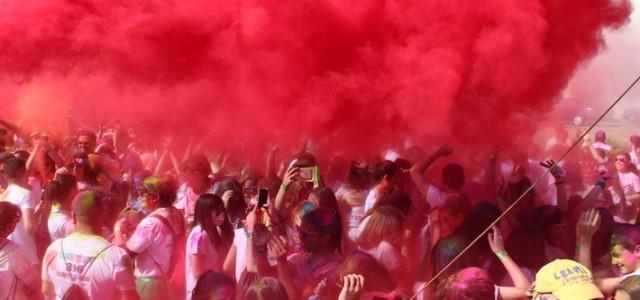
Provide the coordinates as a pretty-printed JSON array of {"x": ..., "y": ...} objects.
[{"x": 567, "y": 280}]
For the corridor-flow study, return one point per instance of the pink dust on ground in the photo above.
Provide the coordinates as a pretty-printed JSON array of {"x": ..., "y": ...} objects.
[{"x": 354, "y": 76}]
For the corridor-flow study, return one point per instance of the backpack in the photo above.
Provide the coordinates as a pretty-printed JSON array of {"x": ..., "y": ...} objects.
[
  {"x": 175, "y": 275},
  {"x": 75, "y": 291}
]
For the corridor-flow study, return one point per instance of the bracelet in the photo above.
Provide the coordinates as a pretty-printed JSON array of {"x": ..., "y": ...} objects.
[
  {"x": 502, "y": 255},
  {"x": 249, "y": 234},
  {"x": 283, "y": 187}
]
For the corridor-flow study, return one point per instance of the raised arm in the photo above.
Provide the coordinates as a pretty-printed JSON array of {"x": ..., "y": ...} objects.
[
  {"x": 559, "y": 176},
  {"x": 270, "y": 167},
  {"x": 10, "y": 126},
  {"x": 289, "y": 177},
  {"x": 490, "y": 176},
  {"x": 520, "y": 281},
  {"x": 587, "y": 226},
  {"x": 277, "y": 248},
  {"x": 593, "y": 194},
  {"x": 417, "y": 170},
  {"x": 597, "y": 156}
]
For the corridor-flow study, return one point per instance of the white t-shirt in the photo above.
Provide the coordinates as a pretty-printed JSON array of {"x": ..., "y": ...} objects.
[
  {"x": 153, "y": 241},
  {"x": 240, "y": 242},
  {"x": 16, "y": 272},
  {"x": 371, "y": 200},
  {"x": 436, "y": 197},
  {"x": 630, "y": 183},
  {"x": 109, "y": 273},
  {"x": 22, "y": 198},
  {"x": 36, "y": 189},
  {"x": 198, "y": 243},
  {"x": 387, "y": 256},
  {"x": 352, "y": 214},
  {"x": 59, "y": 223},
  {"x": 634, "y": 273}
]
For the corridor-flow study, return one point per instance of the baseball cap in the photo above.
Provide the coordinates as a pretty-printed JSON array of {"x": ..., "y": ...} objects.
[{"x": 567, "y": 280}]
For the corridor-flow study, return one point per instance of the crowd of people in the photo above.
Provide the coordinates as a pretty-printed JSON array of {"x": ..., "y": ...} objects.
[{"x": 106, "y": 215}]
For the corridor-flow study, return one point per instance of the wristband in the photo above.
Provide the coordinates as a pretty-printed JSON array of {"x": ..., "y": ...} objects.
[
  {"x": 502, "y": 255},
  {"x": 249, "y": 234},
  {"x": 283, "y": 187}
]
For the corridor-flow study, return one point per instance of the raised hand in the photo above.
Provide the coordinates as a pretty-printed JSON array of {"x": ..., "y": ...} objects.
[
  {"x": 557, "y": 172},
  {"x": 588, "y": 223},
  {"x": 252, "y": 217},
  {"x": 290, "y": 176},
  {"x": 226, "y": 196},
  {"x": 352, "y": 287},
  {"x": 495, "y": 240},
  {"x": 277, "y": 247}
]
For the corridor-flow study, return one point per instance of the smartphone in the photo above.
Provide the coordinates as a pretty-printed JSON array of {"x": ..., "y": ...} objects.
[
  {"x": 309, "y": 174},
  {"x": 263, "y": 196}
]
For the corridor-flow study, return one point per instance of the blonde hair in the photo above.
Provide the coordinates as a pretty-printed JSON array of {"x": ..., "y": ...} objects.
[{"x": 385, "y": 223}]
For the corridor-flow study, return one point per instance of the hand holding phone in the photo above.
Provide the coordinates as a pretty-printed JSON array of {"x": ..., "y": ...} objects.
[
  {"x": 263, "y": 197},
  {"x": 309, "y": 174}
]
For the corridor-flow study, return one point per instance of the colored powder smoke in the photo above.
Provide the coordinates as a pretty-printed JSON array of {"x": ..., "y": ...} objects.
[{"x": 357, "y": 75}]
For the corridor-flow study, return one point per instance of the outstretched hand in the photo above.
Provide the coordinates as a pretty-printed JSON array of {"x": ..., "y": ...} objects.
[
  {"x": 277, "y": 247},
  {"x": 290, "y": 176},
  {"x": 588, "y": 223},
  {"x": 495, "y": 240},
  {"x": 352, "y": 287},
  {"x": 557, "y": 171}
]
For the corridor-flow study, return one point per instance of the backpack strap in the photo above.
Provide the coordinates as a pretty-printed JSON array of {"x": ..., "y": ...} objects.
[
  {"x": 88, "y": 265},
  {"x": 165, "y": 222},
  {"x": 174, "y": 234}
]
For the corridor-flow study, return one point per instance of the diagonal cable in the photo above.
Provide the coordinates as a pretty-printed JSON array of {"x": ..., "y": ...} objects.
[{"x": 506, "y": 211}]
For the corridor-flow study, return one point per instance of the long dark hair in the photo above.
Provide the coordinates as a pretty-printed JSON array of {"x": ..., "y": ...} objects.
[
  {"x": 62, "y": 189},
  {"x": 326, "y": 222},
  {"x": 237, "y": 206},
  {"x": 210, "y": 282},
  {"x": 205, "y": 205}
]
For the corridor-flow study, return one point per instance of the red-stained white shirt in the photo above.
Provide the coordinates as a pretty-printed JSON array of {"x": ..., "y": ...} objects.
[
  {"x": 198, "y": 243},
  {"x": 109, "y": 273},
  {"x": 16, "y": 272},
  {"x": 23, "y": 198},
  {"x": 153, "y": 241}
]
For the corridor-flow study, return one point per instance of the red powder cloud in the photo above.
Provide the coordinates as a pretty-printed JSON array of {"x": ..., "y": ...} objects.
[{"x": 357, "y": 75}]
